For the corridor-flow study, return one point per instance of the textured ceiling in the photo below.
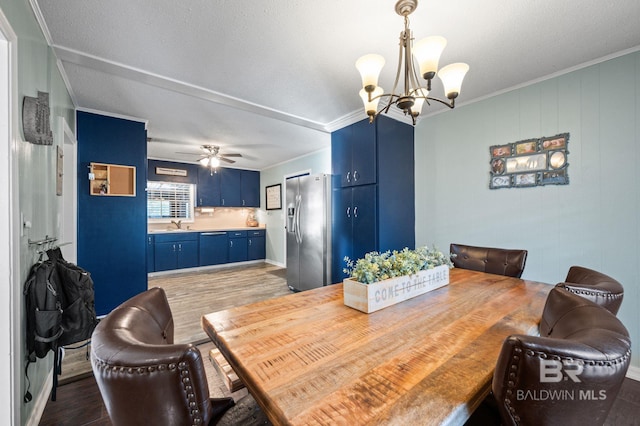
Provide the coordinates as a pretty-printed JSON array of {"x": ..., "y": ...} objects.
[{"x": 270, "y": 79}]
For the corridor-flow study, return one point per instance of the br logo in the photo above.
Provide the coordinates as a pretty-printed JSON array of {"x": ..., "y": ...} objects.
[{"x": 554, "y": 371}]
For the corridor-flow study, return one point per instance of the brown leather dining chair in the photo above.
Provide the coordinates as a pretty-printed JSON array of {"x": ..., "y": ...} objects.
[
  {"x": 595, "y": 286},
  {"x": 488, "y": 259},
  {"x": 143, "y": 377},
  {"x": 569, "y": 375}
]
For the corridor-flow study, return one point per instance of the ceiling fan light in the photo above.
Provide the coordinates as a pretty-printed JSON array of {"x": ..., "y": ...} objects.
[
  {"x": 369, "y": 67},
  {"x": 427, "y": 52},
  {"x": 214, "y": 162},
  {"x": 452, "y": 76},
  {"x": 371, "y": 107},
  {"x": 204, "y": 161}
]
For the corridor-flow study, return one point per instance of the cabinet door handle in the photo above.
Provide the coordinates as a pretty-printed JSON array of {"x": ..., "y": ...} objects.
[
  {"x": 349, "y": 211},
  {"x": 223, "y": 201},
  {"x": 348, "y": 176},
  {"x": 355, "y": 175},
  {"x": 200, "y": 201},
  {"x": 180, "y": 247},
  {"x": 174, "y": 247},
  {"x": 355, "y": 211},
  {"x": 243, "y": 202},
  {"x": 230, "y": 243},
  {"x": 249, "y": 241}
]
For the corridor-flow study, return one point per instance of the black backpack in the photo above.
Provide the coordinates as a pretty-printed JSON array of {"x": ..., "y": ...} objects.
[{"x": 60, "y": 307}]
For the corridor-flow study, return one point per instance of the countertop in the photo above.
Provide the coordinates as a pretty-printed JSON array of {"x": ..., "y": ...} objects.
[{"x": 235, "y": 228}]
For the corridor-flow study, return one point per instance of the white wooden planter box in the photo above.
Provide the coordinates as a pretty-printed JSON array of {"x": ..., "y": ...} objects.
[{"x": 372, "y": 297}]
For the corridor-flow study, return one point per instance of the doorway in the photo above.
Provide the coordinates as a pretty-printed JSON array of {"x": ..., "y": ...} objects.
[{"x": 9, "y": 224}]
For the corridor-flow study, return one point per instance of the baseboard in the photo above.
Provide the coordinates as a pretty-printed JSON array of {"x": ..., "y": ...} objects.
[
  {"x": 40, "y": 402},
  {"x": 633, "y": 373},
  {"x": 203, "y": 268},
  {"x": 274, "y": 263}
]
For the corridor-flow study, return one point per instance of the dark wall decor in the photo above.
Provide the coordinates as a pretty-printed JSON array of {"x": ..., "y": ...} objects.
[
  {"x": 35, "y": 119},
  {"x": 530, "y": 162}
]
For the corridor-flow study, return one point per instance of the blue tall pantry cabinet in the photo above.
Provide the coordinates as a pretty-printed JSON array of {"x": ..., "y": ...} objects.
[{"x": 373, "y": 190}]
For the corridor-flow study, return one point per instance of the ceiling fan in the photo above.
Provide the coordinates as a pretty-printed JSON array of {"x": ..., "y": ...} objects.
[{"x": 211, "y": 156}]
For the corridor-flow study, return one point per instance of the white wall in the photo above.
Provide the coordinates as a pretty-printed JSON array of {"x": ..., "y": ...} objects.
[
  {"x": 318, "y": 162},
  {"x": 592, "y": 222}
]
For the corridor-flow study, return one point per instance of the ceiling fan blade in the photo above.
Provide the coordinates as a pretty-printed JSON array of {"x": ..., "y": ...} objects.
[
  {"x": 226, "y": 160},
  {"x": 188, "y": 153},
  {"x": 232, "y": 155}
]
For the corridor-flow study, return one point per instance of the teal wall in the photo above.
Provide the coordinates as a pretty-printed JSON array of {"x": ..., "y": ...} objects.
[
  {"x": 37, "y": 198},
  {"x": 592, "y": 222},
  {"x": 317, "y": 162}
]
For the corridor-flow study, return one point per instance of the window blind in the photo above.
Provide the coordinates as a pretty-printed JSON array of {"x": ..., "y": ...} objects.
[{"x": 170, "y": 200}]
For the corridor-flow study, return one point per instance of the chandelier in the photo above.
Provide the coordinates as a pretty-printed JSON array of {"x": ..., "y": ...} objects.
[{"x": 412, "y": 96}]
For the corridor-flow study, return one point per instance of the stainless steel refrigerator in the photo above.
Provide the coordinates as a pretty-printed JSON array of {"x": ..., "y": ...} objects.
[{"x": 308, "y": 201}]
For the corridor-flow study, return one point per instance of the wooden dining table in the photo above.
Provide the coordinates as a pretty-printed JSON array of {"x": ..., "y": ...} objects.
[{"x": 308, "y": 359}]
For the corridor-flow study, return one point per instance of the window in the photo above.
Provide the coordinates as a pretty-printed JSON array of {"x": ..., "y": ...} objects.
[{"x": 170, "y": 200}]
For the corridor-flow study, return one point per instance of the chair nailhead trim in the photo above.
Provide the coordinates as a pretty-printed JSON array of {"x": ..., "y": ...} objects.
[{"x": 196, "y": 416}]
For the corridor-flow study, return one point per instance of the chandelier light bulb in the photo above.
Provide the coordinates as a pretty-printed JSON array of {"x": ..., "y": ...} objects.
[
  {"x": 427, "y": 52},
  {"x": 420, "y": 96},
  {"x": 452, "y": 76},
  {"x": 204, "y": 161},
  {"x": 371, "y": 106},
  {"x": 369, "y": 67},
  {"x": 214, "y": 162}
]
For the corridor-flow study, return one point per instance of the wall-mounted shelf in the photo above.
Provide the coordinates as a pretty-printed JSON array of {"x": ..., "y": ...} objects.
[{"x": 112, "y": 179}]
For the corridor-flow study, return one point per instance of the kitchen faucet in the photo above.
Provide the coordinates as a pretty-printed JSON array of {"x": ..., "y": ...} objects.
[{"x": 178, "y": 224}]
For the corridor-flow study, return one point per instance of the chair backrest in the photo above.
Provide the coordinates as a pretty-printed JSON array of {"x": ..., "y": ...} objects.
[
  {"x": 487, "y": 259},
  {"x": 143, "y": 377},
  {"x": 595, "y": 286},
  {"x": 571, "y": 373}
]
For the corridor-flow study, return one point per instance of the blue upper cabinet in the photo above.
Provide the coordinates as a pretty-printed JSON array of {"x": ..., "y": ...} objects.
[
  {"x": 208, "y": 188},
  {"x": 250, "y": 188},
  {"x": 230, "y": 181},
  {"x": 353, "y": 154}
]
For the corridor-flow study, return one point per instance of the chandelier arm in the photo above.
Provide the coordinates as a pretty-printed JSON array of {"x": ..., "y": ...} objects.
[{"x": 450, "y": 105}]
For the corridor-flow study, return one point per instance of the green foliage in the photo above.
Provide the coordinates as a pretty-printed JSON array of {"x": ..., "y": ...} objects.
[{"x": 381, "y": 266}]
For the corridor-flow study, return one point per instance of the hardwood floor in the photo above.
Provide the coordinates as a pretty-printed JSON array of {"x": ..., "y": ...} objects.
[{"x": 190, "y": 295}]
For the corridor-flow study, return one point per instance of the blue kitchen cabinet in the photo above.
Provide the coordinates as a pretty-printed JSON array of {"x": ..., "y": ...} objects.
[
  {"x": 353, "y": 154},
  {"x": 208, "y": 193},
  {"x": 372, "y": 213},
  {"x": 230, "y": 187},
  {"x": 250, "y": 188},
  {"x": 354, "y": 225},
  {"x": 176, "y": 251},
  {"x": 238, "y": 246},
  {"x": 256, "y": 245},
  {"x": 213, "y": 248},
  {"x": 150, "y": 253}
]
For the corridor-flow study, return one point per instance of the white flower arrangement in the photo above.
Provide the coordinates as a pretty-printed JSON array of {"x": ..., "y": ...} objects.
[{"x": 376, "y": 266}]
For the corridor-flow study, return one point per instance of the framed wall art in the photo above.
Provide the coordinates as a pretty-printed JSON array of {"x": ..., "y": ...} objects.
[
  {"x": 530, "y": 162},
  {"x": 273, "y": 197}
]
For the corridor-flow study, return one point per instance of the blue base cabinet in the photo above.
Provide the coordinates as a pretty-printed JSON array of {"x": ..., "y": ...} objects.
[
  {"x": 238, "y": 246},
  {"x": 373, "y": 201},
  {"x": 151, "y": 253},
  {"x": 256, "y": 248},
  {"x": 176, "y": 251}
]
